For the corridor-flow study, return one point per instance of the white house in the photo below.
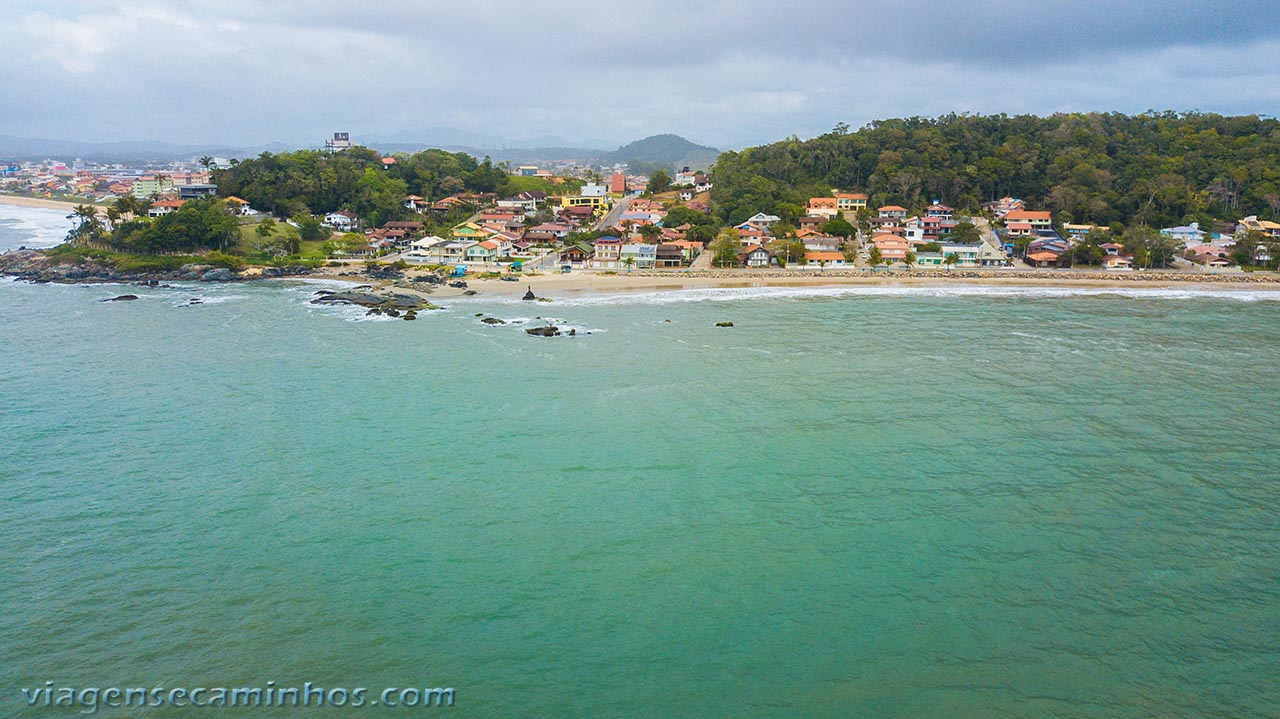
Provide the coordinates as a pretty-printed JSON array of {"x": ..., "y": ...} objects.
[
  {"x": 449, "y": 252},
  {"x": 643, "y": 255},
  {"x": 343, "y": 221},
  {"x": 763, "y": 220}
]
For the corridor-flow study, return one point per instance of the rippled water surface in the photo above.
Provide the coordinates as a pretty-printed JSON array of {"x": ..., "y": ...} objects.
[{"x": 855, "y": 503}]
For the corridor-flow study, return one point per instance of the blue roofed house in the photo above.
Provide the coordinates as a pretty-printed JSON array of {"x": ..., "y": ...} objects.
[{"x": 1187, "y": 234}]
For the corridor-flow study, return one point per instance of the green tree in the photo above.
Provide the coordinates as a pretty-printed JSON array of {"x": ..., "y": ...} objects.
[
  {"x": 89, "y": 229},
  {"x": 965, "y": 233},
  {"x": 310, "y": 228},
  {"x": 875, "y": 257},
  {"x": 839, "y": 227},
  {"x": 950, "y": 260},
  {"x": 909, "y": 259},
  {"x": 650, "y": 232},
  {"x": 725, "y": 248},
  {"x": 264, "y": 230},
  {"x": 787, "y": 251},
  {"x": 659, "y": 182}
]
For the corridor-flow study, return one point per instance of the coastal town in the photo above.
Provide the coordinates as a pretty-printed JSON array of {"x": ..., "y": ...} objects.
[{"x": 609, "y": 220}]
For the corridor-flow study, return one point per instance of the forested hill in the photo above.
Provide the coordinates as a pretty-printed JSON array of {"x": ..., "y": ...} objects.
[
  {"x": 315, "y": 182},
  {"x": 1158, "y": 169},
  {"x": 664, "y": 152}
]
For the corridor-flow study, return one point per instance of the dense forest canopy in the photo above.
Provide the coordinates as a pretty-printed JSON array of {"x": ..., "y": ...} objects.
[
  {"x": 1156, "y": 168},
  {"x": 314, "y": 182}
]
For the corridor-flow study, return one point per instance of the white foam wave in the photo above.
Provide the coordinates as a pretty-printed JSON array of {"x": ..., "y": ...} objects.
[
  {"x": 731, "y": 294},
  {"x": 33, "y": 226}
]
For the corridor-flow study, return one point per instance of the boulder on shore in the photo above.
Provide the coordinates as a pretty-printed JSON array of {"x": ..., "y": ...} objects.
[{"x": 218, "y": 274}]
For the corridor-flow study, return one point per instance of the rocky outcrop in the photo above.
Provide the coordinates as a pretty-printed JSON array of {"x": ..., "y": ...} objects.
[
  {"x": 383, "y": 303},
  {"x": 493, "y": 321},
  {"x": 724, "y": 324},
  {"x": 121, "y": 298},
  {"x": 548, "y": 331},
  {"x": 218, "y": 274},
  {"x": 529, "y": 295}
]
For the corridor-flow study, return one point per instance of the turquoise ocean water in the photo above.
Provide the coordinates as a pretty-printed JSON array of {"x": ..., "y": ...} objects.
[{"x": 866, "y": 503}]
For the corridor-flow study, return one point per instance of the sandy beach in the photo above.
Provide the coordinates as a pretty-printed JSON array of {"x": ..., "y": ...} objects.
[
  {"x": 40, "y": 202},
  {"x": 579, "y": 283}
]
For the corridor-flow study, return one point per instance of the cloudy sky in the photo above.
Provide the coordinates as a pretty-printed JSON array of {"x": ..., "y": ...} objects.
[{"x": 726, "y": 73}]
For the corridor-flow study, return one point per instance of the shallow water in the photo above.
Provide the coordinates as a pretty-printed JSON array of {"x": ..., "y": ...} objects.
[
  {"x": 860, "y": 501},
  {"x": 892, "y": 502}
]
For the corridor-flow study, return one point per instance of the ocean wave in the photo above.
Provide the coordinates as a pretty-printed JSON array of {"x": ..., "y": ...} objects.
[
  {"x": 731, "y": 294},
  {"x": 32, "y": 227}
]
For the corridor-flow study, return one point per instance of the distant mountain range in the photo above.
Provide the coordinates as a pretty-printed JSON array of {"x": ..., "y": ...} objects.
[
  {"x": 450, "y": 137},
  {"x": 659, "y": 151},
  {"x": 29, "y": 148}
]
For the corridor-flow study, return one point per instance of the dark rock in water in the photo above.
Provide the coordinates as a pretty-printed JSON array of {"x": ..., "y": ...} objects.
[
  {"x": 192, "y": 301},
  {"x": 666, "y": 322},
  {"x": 479, "y": 314},
  {"x": 153, "y": 283},
  {"x": 220, "y": 274},
  {"x": 529, "y": 295},
  {"x": 411, "y": 315},
  {"x": 724, "y": 324},
  {"x": 391, "y": 311},
  {"x": 374, "y": 311},
  {"x": 121, "y": 298},
  {"x": 492, "y": 321},
  {"x": 572, "y": 331},
  {"x": 548, "y": 331}
]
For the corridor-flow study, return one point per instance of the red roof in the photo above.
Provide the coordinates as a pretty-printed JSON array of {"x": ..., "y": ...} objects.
[{"x": 1029, "y": 215}]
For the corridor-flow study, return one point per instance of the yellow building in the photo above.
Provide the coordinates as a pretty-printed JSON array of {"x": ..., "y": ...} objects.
[
  {"x": 594, "y": 203},
  {"x": 470, "y": 231}
]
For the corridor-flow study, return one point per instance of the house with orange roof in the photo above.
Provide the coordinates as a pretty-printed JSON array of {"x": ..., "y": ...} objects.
[
  {"x": 893, "y": 212},
  {"x": 483, "y": 252},
  {"x": 160, "y": 208},
  {"x": 238, "y": 206},
  {"x": 824, "y": 259},
  {"x": 827, "y": 207},
  {"x": 892, "y": 248},
  {"x": 1043, "y": 258},
  {"x": 1037, "y": 219}
]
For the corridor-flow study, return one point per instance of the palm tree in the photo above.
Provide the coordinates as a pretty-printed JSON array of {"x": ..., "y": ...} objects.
[
  {"x": 206, "y": 162},
  {"x": 950, "y": 260},
  {"x": 113, "y": 216},
  {"x": 89, "y": 226},
  {"x": 909, "y": 259},
  {"x": 629, "y": 262}
]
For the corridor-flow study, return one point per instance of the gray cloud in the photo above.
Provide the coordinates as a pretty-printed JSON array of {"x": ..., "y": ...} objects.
[{"x": 724, "y": 73}]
